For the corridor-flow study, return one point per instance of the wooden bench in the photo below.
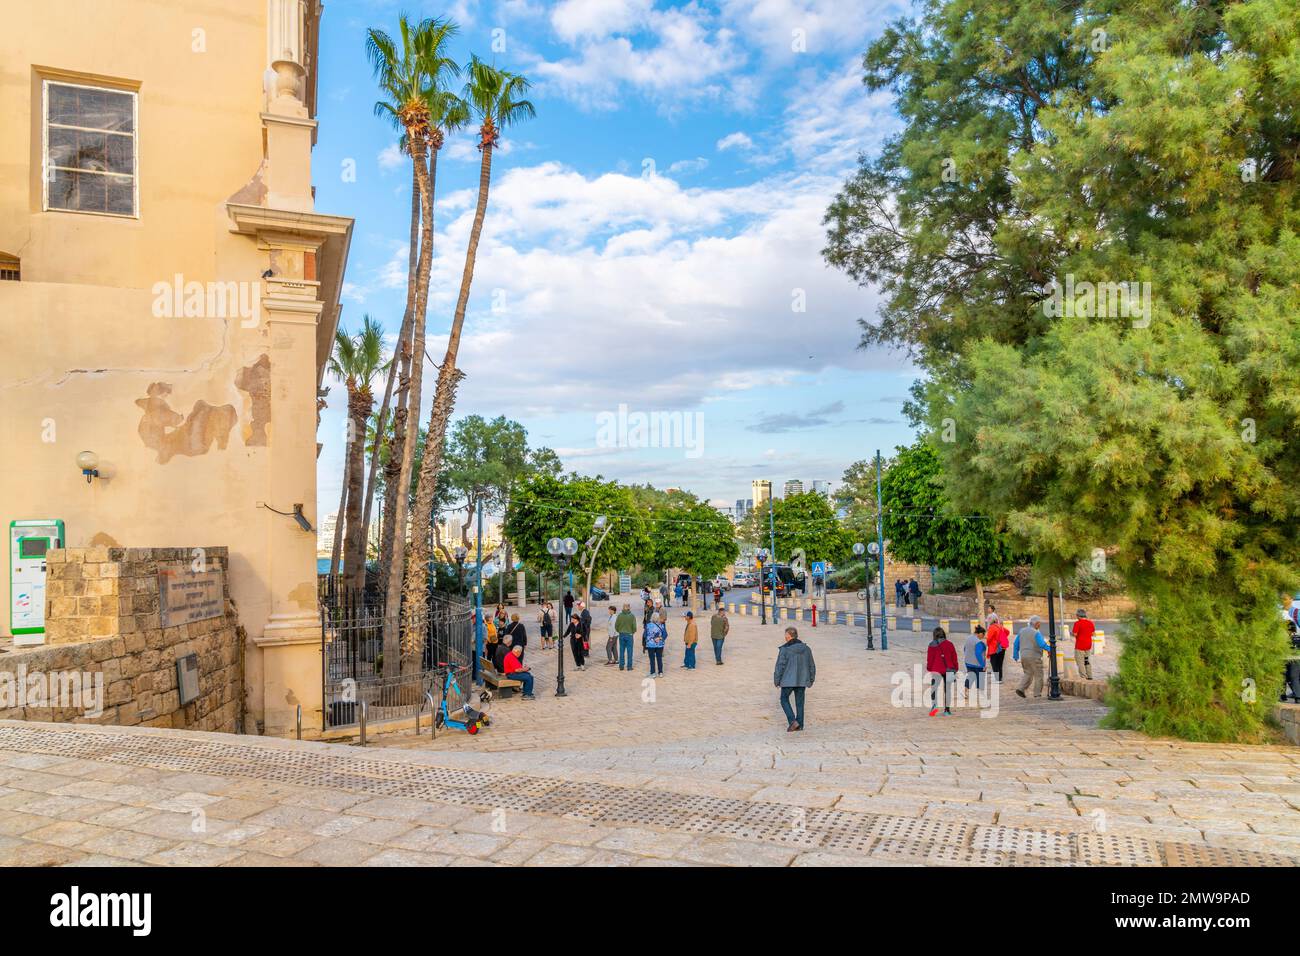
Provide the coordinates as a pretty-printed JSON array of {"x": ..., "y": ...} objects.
[{"x": 504, "y": 685}]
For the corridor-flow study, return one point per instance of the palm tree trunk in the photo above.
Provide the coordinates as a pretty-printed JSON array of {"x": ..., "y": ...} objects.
[
  {"x": 444, "y": 398},
  {"x": 354, "y": 551},
  {"x": 390, "y": 557},
  {"x": 416, "y": 567},
  {"x": 338, "y": 517}
]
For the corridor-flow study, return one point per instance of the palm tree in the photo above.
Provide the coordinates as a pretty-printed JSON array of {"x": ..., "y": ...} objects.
[
  {"x": 494, "y": 97},
  {"x": 357, "y": 360},
  {"x": 412, "y": 76}
]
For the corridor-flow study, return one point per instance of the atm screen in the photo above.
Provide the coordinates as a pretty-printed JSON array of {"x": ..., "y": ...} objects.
[{"x": 33, "y": 547}]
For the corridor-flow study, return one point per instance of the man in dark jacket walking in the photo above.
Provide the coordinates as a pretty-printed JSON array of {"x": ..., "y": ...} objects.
[{"x": 795, "y": 672}]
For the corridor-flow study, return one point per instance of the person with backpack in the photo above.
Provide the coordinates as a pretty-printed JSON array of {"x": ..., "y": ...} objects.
[
  {"x": 794, "y": 673},
  {"x": 546, "y": 625},
  {"x": 653, "y": 640},
  {"x": 940, "y": 661},
  {"x": 914, "y": 592}
]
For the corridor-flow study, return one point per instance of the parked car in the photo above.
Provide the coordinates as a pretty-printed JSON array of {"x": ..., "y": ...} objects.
[
  {"x": 785, "y": 580},
  {"x": 721, "y": 584}
]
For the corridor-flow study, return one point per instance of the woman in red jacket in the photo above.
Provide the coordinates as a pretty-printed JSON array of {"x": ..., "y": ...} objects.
[
  {"x": 998, "y": 639},
  {"x": 940, "y": 661}
]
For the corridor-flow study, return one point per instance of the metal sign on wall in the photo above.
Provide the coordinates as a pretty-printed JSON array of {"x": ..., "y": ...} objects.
[{"x": 186, "y": 596}]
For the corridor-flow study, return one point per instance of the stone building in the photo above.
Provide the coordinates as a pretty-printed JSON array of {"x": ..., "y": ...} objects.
[{"x": 168, "y": 299}]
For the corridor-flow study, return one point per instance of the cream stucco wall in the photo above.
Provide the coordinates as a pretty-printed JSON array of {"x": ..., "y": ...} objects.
[{"x": 87, "y": 364}]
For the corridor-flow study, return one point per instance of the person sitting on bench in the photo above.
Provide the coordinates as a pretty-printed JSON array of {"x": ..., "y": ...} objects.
[{"x": 514, "y": 670}]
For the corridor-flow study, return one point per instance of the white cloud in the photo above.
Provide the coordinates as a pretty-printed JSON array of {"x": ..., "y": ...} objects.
[
  {"x": 696, "y": 165},
  {"x": 573, "y": 19},
  {"x": 736, "y": 140},
  {"x": 390, "y": 157}
]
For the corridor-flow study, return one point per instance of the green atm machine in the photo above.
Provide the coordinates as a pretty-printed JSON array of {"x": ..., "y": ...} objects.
[{"x": 29, "y": 541}]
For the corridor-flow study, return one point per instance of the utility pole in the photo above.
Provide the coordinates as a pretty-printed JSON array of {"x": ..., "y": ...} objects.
[{"x": 880, "y": 540}]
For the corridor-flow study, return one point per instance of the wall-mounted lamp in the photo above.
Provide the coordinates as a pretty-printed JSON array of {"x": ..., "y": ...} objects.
[
  {"x": 88, "y": 462},
  {"x": 296, "y": 515}
]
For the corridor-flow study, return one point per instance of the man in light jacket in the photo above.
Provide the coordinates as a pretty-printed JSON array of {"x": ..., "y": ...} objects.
[
  {"x": 1028, "y": 649},
  {"x": 611, "y": 637},
  {"x": 794, "y": 674}
]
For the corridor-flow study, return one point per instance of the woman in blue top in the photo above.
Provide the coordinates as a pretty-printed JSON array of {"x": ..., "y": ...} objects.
[{"x": 656, "y": 634}]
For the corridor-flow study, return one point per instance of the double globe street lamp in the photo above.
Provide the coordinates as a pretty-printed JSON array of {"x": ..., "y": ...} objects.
[
  {"x": 562, "y": 550},
  {"x": 866, "y": 553}
]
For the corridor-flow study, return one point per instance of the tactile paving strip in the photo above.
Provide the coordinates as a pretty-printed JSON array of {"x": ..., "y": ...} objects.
[{"x": 904, "y": 839}]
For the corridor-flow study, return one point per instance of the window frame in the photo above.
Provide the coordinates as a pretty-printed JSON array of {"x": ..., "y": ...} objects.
[{"x": 45, "y": 149}]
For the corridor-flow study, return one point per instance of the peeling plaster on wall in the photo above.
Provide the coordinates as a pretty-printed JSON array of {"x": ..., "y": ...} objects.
[
  {"x": 166, "y": 432},
  {"x": 255, "y": 381},
  {"x": 253, "y": 192},
  {"x": 103, "y": 540},
  {"x": 304, "y": 595}
]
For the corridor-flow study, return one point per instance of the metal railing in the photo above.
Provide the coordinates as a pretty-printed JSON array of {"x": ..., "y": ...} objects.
[{"x": 353, "y": 651}]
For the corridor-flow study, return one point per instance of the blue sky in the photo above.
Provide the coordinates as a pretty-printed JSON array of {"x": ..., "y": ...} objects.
[{"x": 650, "y": 236}]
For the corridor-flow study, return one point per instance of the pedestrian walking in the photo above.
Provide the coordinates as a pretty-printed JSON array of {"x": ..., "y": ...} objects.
[
  {"x": 914, "y": 592},
  {"x": 653, "y": 639},
  {"x": 794, "y": 673},
  {"x": 1083, "y": 629},
  {"x": 1028, "y": 649},
  {"x": 975, "y": 657},
  {"x": 999, "y": 639},
  {"x": 686, "y": 593},
  {"x": 665, "y": 597},
  {"x": 691, "y": 637},
  {"x": 546, "y": 625},
  {"x": 576, "y": 644},
  {"x": 611, "y": 641},
  {"x": 677, "y": 592},
  {"x": 584, "y": 620},
  {"x": 940, "y": 662},
  {"x": 568, "y": 604},
  {"x": 900, "y": 592},
  {"x": 625, "y": 625},
  {"x": 719, "y": 625}
]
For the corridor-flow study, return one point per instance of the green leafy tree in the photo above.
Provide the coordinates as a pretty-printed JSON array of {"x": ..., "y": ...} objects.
[
  {"x": 693, "y": 537},
  {"x": 922, "y": 527},
  {"x": 1048, "y": 144},
  {"x": 544, "y": 505},
  {"x": 807, "y": 530}
]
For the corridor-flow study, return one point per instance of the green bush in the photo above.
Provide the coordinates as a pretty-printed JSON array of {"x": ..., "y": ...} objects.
[
  {"x": 1199, "y": 664},
  {"x": 950, "y": 581}
]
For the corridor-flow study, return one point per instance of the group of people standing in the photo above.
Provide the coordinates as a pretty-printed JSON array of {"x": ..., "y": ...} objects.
[
  {"x": 985, "y": 650},
  {"x": 907, "y": 593}
]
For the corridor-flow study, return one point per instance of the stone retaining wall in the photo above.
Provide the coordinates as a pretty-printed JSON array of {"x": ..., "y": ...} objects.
[
  {"x": 1020, "y": 608},
  {"x": 104, "y": 630}
]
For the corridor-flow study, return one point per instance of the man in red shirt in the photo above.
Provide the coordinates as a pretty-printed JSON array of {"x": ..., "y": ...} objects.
[
  {"x": 1082, "y": 629},
  {"x": 515, "y": 670}
]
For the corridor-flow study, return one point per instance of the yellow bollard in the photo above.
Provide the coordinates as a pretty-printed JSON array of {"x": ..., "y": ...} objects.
[
  {"x": 1098, "y": 642},
  {"x": 973, "y": 624},
  {"x": 916, "y": 625},
  {"x": 946, "y": 625}
]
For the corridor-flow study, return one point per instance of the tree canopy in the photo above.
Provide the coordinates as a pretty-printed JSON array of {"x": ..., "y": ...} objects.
[{"x": 1086, "y": 234}]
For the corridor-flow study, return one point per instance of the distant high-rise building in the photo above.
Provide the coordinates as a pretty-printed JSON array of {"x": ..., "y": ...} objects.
[
  {"x": 762, "y": 490},
  {"x": 822, "y": 488},
  {"x": 792, "y": 487},
  {"x": 743, "y": 506}
]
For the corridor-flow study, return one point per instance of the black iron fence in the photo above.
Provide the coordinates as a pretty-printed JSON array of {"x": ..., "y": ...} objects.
[{"x": 420, "y": 644}]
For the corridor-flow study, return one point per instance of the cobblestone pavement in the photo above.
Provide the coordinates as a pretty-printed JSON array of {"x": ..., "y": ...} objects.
[{"x": 695, "y": 769}]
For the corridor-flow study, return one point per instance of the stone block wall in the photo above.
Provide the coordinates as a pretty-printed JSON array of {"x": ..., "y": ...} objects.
[
  {"x": 103, "y": 618},
  {"x": 1020, "y": 608}
]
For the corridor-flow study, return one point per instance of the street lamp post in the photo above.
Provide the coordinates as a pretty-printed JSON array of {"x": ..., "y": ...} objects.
[
  {"x": 602, "y": 525},
  {"x": 1054, "y": 685},
  {"x": 880, "y": 547},
  {"x": 762, "y": 600},
  {"x": 562, "y": 550},
  {"x": 861, "y": 552}
]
